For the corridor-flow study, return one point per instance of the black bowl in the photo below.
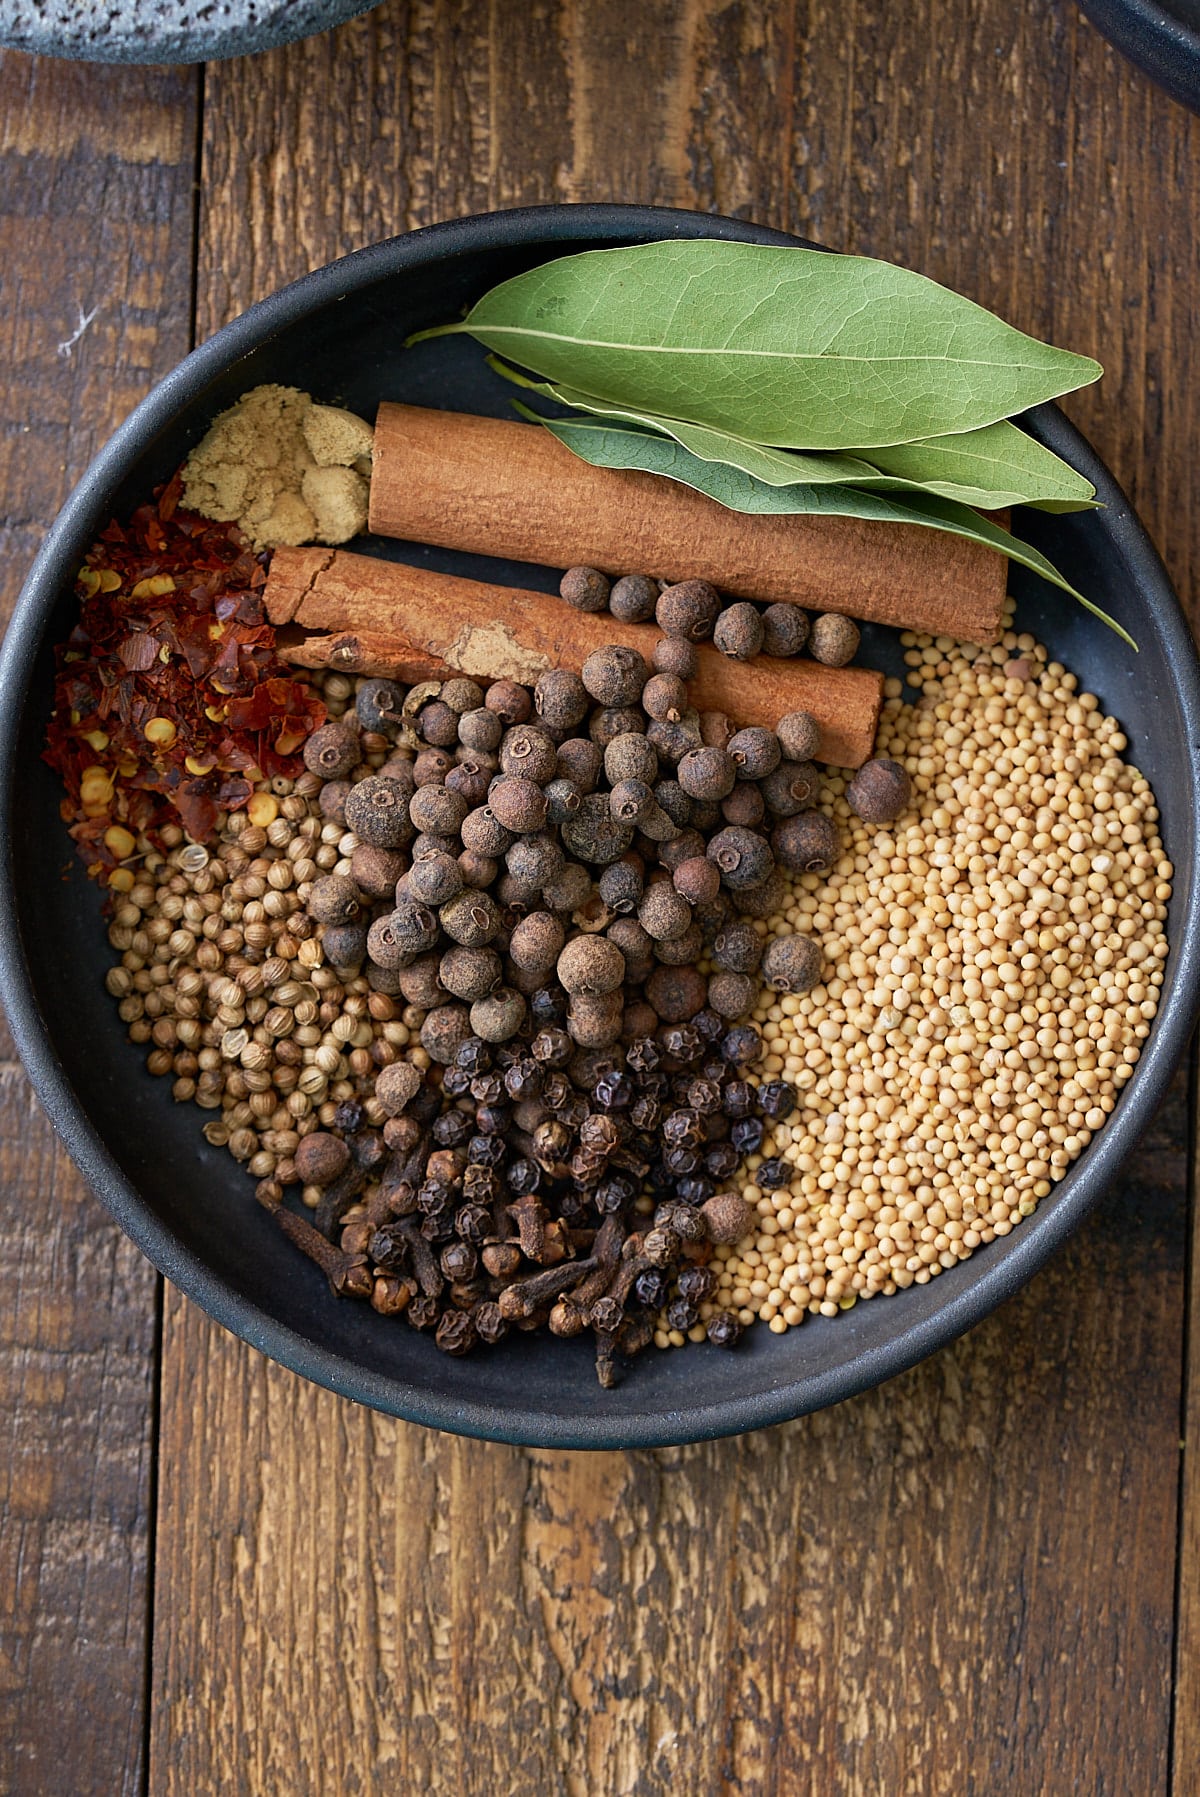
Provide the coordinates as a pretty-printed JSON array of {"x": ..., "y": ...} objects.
[{"x": 340, "y": 333}]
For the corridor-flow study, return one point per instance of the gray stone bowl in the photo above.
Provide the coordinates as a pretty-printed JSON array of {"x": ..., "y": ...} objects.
[
  {"x": 165, "y": 30},
  {"x": 340, "y": 332}
]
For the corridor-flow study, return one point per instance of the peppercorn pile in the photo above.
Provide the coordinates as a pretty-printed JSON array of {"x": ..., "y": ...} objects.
[{"x": 169, "y": 701}]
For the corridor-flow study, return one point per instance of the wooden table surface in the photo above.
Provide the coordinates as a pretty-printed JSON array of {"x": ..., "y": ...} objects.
[{"x": 983, "y": 1578}]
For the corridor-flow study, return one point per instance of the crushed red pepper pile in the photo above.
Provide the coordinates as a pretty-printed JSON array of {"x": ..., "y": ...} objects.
[{"x": 170, "y": 702}]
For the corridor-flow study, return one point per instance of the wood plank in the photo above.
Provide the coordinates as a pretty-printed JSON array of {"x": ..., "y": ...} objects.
[
  {"x": 95, "y": 242},
  {"x": 961, "y": 1583}
]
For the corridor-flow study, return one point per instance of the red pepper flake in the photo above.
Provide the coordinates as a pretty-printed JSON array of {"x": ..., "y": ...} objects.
[{"x": 172, "y": 659}]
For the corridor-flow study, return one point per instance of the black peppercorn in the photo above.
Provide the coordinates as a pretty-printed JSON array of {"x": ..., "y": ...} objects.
[
  {"x": 785, "y": 630},
  {"x": 723, "y": 1330},
  {"x": 879, "y": 791},
  {"x": 722, "y": 1160},
  {"x": 776, "y": 1098},
  {"x": 585, "y": 588},
  {"x": 807, "y": 843},
  {"x": 738, "y": 631},
  {"x": 741, "y": 1046}
]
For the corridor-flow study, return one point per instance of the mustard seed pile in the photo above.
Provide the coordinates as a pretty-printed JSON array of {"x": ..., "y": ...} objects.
[{"x": 993, "y": 963}]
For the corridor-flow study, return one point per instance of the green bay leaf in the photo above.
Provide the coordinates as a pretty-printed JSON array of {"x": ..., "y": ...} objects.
[
  {"x": 997, "y": 466},
  {"x": 796, "y": 348},
  {"x": 606, "y": 446}
]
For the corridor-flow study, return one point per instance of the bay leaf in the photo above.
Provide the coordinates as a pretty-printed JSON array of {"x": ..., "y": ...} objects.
[
  {"x": 995, "y": 467},
  {"x": 792, "y": 347},
  {"x": 605, "y": 446}
]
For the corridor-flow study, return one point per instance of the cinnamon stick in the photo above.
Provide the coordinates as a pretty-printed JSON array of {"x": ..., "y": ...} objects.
[
  {"x": 497, "y": 487},
  {"x": 360, "y": 615}
]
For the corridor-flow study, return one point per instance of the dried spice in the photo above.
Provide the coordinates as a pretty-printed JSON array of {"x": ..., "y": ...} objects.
[{"x": 170, "y": 703}]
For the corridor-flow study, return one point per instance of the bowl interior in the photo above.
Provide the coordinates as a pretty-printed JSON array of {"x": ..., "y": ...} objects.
[{"x": 340, "y": 335}]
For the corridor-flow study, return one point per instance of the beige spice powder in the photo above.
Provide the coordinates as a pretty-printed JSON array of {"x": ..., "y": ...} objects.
[{"x": 993, "y": 962}]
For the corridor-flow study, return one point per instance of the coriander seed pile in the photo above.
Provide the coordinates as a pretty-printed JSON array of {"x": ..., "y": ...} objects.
[{"x": 993, "y": 964}]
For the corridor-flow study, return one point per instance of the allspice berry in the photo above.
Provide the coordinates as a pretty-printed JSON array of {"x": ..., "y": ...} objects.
[
  {"x": 379, "y": 705},
  {"x": 395, "y": 1088},
  {"x": 529, "y": 752},
  {"x": 615, "y": 675},
  {"x": 435, "y": 880},
  {"x": 480, "y": 729},
  {"x": 785, "y": 630},
  {"x": 690, "y": 609},
  {"x": 806, "y": 844},
  {"x": 879, "y": 791},
  {"x": 833, "y": 639},
  {"x": 560, "y": 699},
  {"x": 332, "y": 751},
  {"x": 594, "y": 1019},
  {"x": 665, "y": 696},
  {"x": 744, "y": 859},
  {"x": 444, "y": 1031},
  {"x": 633, "y": 599},
  {"x": 745, "y": 805},
  {"x": 593, "y": 834},
  {"x": 677, "y": 993},
  {"x": 663, "y": 912},
  {"x": 519, "y": 804},
  {"x": 793, "y": 787},
  {"x": 433, "y": 809},
  {"x": 632, "y": 802},
  {"x": 377, "y": 810},
  {"x": 471, "y": 919},
  {"x": 321, "y": 1156},
  {"x": 376, "y": 871},
  {"x": 499, "y": 1016},
  {"x": 792, "y": 963},
  {"x": 738, "y": 948},
  {"x": 470, "y": 973},
  {"x": 536, "y": 942},
  {"x": 681, "y": 951},
  {"x": 630, "y": 756},
  {"x": 585, "y": 588},
  {"x": 345, "y": 944},
  {"x": 580, "y": 760},
  {"x": 732, "y": 995},
  {"x": 755, "y": 752},
  {"x": 738, "y": 631},
  {"x": 333, "y": 899},
  {"x": 727, "y": 1216},
  {"x": 483, "y": 833},
  {"x": 697, "y": 880},
  {"x": 799, "y": 734},
  {"x": 591, "y": 964},
  {"x": 707, "y": 773},
  {"x": 511, "y": 702},
  {"x": 676, "y": 655},
  {"x": 620, "y": 885}
]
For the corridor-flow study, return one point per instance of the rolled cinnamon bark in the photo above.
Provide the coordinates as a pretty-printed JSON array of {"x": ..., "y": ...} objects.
[
  {"x": 497, "y": 487},
  {"x": 363, "y": 616}
]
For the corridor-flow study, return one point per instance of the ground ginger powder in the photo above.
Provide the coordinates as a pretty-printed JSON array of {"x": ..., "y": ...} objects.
[{"x": 283, "y": 469}]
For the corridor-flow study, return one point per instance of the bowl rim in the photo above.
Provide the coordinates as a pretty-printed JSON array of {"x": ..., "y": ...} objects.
[{"x": 1025, "y": 1253}]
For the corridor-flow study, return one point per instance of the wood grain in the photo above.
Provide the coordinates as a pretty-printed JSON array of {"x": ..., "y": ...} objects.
[
  {"x": 962, "y": 1583},
  {"x": 95, "y": 217}
]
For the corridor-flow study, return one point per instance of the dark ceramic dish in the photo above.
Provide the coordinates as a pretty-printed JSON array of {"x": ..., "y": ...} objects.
[
  {"x": 340, "y": 333},
  {"x": 1163, "y": 40}
]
